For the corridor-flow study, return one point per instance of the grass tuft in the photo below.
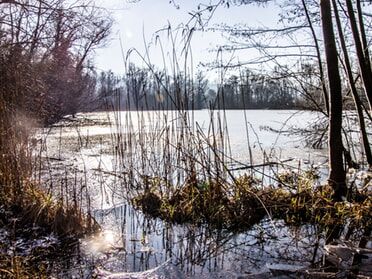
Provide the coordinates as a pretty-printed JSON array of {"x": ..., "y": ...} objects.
[{"x": 239, "y": 205}]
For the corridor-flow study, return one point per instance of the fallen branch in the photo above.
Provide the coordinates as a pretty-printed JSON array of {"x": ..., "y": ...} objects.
[{"x": 245, "y": 167}]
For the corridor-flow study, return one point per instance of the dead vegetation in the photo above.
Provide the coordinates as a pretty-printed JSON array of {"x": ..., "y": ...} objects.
[{"x": 245, "y": 201}]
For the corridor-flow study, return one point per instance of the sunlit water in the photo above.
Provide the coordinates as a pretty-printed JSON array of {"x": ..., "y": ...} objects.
[{"x": 84, "y": 155}]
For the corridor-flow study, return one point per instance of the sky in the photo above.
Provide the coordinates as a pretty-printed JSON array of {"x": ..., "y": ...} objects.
[{"x": 138, "y": 23}]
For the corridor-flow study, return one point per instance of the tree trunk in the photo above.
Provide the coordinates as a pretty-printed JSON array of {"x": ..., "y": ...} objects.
[
  {"x": 363, "y": 35},
  {"x": 365, "y": 71},
  {"x": 357, "y": 101},
  {"x": 337, "y": 174}
]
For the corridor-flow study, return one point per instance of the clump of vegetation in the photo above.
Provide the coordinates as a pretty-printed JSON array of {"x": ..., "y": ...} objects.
[
  {"x": 300, "y": 201},
  {"x": 31, "y": 214},
  {"x": 244, "y": 202},
  {"x": 205, "y": 202}
]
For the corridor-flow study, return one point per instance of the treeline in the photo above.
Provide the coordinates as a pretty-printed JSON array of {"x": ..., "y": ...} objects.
[
  {"x": 252, "y": 90},
  {"x": 145, "y": 89}
]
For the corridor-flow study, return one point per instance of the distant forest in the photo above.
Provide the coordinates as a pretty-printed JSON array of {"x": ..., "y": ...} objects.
[{"x": 144, "y": 89}]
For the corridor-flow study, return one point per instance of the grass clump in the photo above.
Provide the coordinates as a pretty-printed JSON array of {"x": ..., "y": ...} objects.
[
  {"x": 17, "y": 267},
  {"x": 310, "y": 203},
  {"x": 297, "y": 199},
  {"x": 200, "y": 201},
  {"x": 36, "y": 231}
]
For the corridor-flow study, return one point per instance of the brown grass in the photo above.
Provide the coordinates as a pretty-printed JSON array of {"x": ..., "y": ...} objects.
[
  {"x": 23, "y": 202},
  {"x": 239, "y": 205}
]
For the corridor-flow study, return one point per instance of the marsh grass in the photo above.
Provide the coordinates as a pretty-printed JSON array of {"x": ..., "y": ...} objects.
[
  {"x": 181, "y": 174},
  {"x": 16, "y": 268},
  {"x": 239, "y": 205},
  {"x": 175, "y": 169},
  {"x": 27, "y": 209},
  {"x": 201, "y": 202}
]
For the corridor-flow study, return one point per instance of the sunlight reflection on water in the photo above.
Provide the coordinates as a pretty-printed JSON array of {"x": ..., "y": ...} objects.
[{"x": 101, "y": 242}]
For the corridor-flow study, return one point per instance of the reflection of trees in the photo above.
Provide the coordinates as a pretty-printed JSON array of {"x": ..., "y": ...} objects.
[{"x": 201, "y": 250}]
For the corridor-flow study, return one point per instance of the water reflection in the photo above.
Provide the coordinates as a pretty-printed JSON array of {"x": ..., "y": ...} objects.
[
  {"x": 142, "y": 243},
  {"x": 99, "y": 243}
]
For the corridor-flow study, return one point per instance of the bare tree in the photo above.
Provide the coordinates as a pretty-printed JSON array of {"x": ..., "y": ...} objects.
[
  {"x": 55, "y": 38},
  {"x": 337, "y": 174}
]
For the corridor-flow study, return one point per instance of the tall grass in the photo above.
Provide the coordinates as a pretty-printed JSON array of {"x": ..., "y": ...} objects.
[
  {"x": 27, "y": 209},
  {"x": 175, "y": 169}
]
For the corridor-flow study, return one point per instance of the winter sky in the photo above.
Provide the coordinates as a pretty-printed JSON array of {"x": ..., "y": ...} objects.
[{"x": 138, "y": 23}]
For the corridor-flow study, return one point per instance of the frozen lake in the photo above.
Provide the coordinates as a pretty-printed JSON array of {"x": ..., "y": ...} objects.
[{"x": 247, "y": 135}]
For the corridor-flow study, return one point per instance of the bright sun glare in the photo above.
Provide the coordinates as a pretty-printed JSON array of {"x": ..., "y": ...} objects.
[{"x": 100, "y": 242}]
